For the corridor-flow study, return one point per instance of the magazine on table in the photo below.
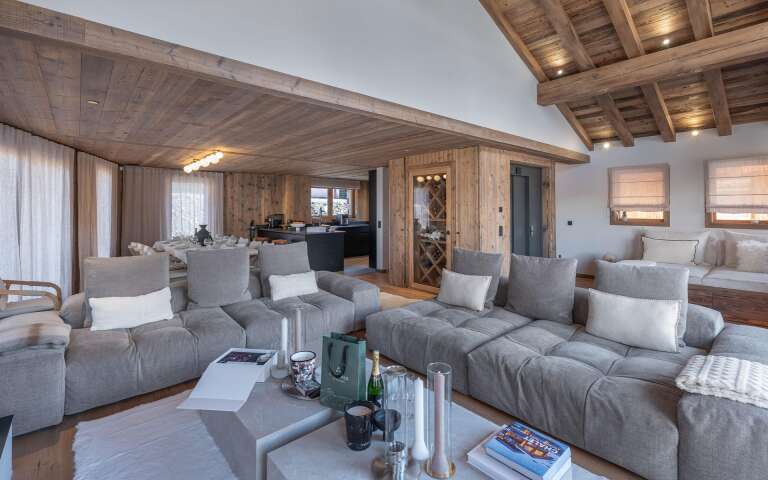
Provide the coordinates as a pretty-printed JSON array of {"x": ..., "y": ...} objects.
[
  {"x": 227, "y": 382},
  {"x": 530, "y": 452}
]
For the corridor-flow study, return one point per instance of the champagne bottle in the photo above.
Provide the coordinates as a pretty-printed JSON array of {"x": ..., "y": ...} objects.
[{"x": 375, "y": 383}]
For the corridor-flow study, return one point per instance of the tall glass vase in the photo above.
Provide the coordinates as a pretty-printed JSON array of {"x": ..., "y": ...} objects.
[
  {"x": 396, "y": 404},
  {"x": 439, "y": 385}
]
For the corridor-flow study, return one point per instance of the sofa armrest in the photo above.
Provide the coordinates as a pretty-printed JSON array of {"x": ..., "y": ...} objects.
[
  {"x": 364, "y": 295},
  {"x": 720, "y": 438},
  {"x": 73, "y": 310},
  {"x": 703, "y": 326},
  {"x": 581, "y": 305}
]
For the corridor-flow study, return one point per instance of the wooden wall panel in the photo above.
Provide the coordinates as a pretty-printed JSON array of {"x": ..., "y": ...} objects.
[
  {"x": 250, "y": 196},
  {"x": 494, "y": 202},
  {"x": 397, "y": 216},
  {"x": 296, "y": 194},
  {"x": 361, "y": 202},
  {"x": 467, "y": 199}
]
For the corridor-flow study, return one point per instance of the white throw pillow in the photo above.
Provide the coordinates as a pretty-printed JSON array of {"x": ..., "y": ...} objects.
[
  {"x": 732, "y": 239},
  {"x": 682, "y": 252},
  {"x": 464, "y": 290},
  {"x": 636, "y": 322},
  {"x": 109, "y": 313},
  {"x": 752, "y": 256},
  {"x": 284, "y": 286},
  {"x": 703, "y": 237}
]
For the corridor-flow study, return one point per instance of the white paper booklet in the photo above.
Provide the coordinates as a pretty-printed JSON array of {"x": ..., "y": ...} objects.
[{"x": 227, "y": 382}]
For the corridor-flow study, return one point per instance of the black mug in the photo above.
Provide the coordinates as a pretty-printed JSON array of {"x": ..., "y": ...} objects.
[{"x": 359, "y": 421}]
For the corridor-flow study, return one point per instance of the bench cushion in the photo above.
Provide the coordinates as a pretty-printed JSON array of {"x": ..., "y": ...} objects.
[{"x": 727, "y": 277}]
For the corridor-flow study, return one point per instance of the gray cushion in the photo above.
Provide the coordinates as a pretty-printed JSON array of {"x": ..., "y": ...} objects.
[
  {"x": 123, "y": 277},
  {"x": 542, "y": 288},
  {"x": 218, "y": 277},
  {"x": 262, "y": 325},
  {"x": 73, "y": 310},
  {"x": 472, "y": 262},
  {"x": 28, "y": 305},
  {"x": 657, "y": 283},
  {"x": 281, "y": 260}
]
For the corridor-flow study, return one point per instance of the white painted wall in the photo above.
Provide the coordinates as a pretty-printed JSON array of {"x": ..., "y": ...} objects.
[
  {"x": 582, "y": 191},
  {"x": 442, "y": 56}
]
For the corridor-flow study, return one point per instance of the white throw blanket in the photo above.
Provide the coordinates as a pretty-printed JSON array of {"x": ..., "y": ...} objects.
[{"x": 726, "y": 377}]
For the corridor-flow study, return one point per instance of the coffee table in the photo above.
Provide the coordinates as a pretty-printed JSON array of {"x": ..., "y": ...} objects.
[
  {"x": 268, "y": 420},
  {"x": 325, "y": 451}
]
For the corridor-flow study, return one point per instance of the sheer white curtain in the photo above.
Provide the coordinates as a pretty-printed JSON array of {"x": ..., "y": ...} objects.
[
  {"x": 644, "y": 188},
  {"x": 197, "y": 199},
  {"x": 36, "y": 189},
  {"x": 738, "y": 186},
  {"x": 97, "y": 204},
  {"x": 160, "y": 203}
]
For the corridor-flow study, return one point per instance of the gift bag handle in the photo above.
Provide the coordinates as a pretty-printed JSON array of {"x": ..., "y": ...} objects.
[{"x": 339, "y": 370}]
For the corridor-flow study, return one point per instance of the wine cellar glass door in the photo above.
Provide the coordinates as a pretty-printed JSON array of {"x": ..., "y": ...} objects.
[{"x": 430, "y": 215}]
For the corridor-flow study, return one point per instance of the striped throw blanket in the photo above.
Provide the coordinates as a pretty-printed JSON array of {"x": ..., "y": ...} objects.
[
  {"x": 726, "y": 377},
  {"x": 32, "y": 330}
]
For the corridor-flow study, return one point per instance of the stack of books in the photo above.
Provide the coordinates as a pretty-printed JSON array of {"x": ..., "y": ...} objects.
[{"x": 518, "y": 451}]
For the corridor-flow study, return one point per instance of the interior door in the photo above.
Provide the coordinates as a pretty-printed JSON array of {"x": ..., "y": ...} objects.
[
  {"x": 526, "y": 232},
  {"x": 429, "y": 225}
]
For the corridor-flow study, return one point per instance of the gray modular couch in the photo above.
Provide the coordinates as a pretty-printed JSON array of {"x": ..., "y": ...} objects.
[
  {"x": 618, "y": 402},
  {"x": 222, "y": 306}
]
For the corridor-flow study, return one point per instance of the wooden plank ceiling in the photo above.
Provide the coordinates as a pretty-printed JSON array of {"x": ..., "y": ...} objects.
[
  {"x": 135, "y": 100},
  {"x": 562, "y": 38}
]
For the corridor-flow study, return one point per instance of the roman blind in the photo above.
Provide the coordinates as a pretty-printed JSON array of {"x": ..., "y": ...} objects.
[
  {"x": 644, "y": 188},
  {"x": 738, "y": 186}
]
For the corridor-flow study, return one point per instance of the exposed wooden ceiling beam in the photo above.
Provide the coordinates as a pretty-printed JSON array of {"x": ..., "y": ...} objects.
[
  {"x": 701, "y": 22},
  {"x": 21, "y": 19},
  {"x": 571, "y": 42},
  {"x": 734, "y": 47},
  {"x": 492, "y": 7},
  {"x": 621, "y": 17}
]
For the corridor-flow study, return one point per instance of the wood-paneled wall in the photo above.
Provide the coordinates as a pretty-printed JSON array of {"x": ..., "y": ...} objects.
[
  {"x": 481, "y": 202},
  {"x": 253, "y": 196}
]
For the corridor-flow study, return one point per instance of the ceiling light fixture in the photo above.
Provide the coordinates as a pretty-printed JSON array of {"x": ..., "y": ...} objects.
[
  {"x": 93, "y": 102},
  {"x": 560, "y": 72},
  {"x": 206, "y": 161},
  {"x": 606, "y": 145},
  {"x": 666, "y": 42},
  {"x": 695, "y": 132}
]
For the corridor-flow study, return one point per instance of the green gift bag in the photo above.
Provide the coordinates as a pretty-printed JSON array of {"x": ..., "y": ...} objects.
[{"x": 343, "y": 371}]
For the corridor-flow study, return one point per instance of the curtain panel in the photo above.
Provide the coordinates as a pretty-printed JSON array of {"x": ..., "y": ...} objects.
[
  {"x": 643, "y": 188},
  {"x": 738, "y": 185},
  {"x": 36, "y": 208},
  {"x": 159, "y": 203},
  {"x": 98, "y": 200}
]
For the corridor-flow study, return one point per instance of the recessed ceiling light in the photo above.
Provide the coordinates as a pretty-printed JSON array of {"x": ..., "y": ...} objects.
[
  {"x": 560, "y": 72},
  {"x": 606, "y": 145},
  {"x": 695, "y": 133},
  {"x": 665, "y": 42},
  {"x": 93, "y": 102}
]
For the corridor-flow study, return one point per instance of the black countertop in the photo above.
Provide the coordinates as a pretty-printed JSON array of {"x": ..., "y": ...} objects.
[{"x": 292, "y": 231}]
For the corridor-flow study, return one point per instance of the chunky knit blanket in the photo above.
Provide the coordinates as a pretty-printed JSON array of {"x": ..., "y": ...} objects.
[{"x": 740, "y": 380}]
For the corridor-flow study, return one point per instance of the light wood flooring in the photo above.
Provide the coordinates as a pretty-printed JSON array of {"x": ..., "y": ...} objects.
[{"x": 47, "y": 454}]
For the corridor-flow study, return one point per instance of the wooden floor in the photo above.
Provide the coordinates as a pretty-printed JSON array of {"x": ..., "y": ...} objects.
[{"x": 47, "y": 454}]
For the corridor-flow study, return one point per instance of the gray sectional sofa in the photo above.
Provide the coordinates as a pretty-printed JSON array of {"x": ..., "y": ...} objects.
[
  {"x": 618, "y": 402},
  {"x": 40, "y": 383}
]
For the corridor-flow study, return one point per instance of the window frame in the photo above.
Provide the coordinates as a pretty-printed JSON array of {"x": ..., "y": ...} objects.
[
  {"x": 614, "y": 213},
  {"x": 330, "y": 197},
  {"x": 710, "y": 220}
]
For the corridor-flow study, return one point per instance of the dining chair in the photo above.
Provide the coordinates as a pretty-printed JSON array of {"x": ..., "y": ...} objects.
[{"x": 44, "y": 300}]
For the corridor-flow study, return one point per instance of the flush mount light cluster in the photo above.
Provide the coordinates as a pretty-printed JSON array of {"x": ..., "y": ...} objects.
[
  {"x": 431, "y": 178},
  {"x": 207, "y": 160}
]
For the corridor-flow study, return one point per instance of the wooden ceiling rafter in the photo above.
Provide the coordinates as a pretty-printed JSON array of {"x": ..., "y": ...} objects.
[
  {"x": 622, "y": 20},
  {"x": 570, "y": 41},
  {"x": 701, "y": 23},
  {"x": 533, "y": 65},
  {"x": 731, "y": 48}
]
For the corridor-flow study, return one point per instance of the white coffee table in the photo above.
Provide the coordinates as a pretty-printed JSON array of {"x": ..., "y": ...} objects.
[{"x": 268, "y": 420}]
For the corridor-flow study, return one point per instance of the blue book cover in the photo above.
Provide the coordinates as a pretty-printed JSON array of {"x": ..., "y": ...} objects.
[{"x": 528, "y": 451}]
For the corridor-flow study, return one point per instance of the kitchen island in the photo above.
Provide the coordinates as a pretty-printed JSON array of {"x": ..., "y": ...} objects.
[{"x": 326, "y": 249}]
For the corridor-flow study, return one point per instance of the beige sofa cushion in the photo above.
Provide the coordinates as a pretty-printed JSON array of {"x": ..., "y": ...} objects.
[{"x": 727, "y": 277}]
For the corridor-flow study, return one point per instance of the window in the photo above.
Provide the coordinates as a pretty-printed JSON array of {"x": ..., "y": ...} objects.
[
  {"x": 196, "y": 200},
  {"x": 319, "y": 202},
  {"x": 342, "y": 201},
  {"x": 737, "y": 193},
  {"x": 639, "y": 195}
]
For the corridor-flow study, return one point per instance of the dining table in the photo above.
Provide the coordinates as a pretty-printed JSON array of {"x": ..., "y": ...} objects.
[{"x": 179, "y": 248}]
